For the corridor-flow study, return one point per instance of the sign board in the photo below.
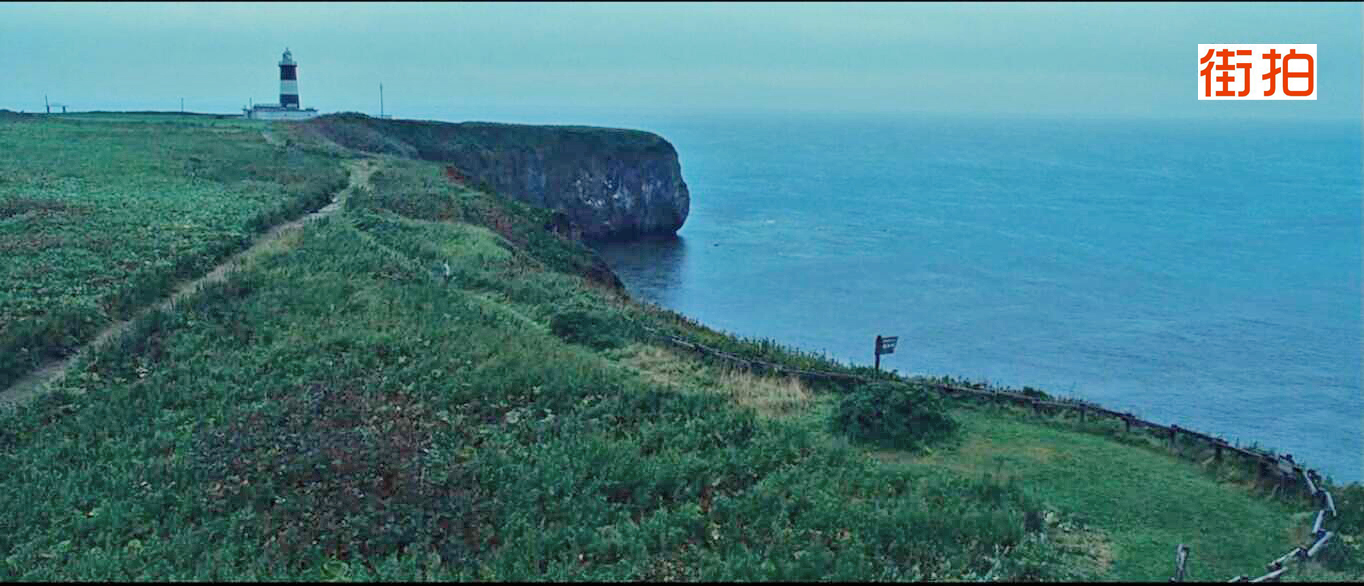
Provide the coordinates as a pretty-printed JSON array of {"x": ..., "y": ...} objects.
[{"x": 884, "y": 345}]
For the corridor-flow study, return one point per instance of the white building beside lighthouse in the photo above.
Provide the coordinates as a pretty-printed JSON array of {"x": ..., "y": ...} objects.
[{"x": 288, "y": 106}]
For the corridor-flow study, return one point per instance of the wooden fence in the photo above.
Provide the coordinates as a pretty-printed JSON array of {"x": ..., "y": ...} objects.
[{"x": 1283, "y": 468}]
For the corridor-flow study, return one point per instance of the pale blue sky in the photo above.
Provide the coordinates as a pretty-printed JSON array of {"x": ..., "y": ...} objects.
[{"x": 572, "y": 62}]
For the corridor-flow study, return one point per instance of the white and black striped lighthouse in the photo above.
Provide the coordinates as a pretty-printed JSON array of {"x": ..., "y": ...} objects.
[
  {"x": 288, "y": 81},
  {"x": 288, "y": 107}
]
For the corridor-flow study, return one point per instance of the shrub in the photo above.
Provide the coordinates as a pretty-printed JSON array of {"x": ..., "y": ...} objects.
[
  {"x": 893, "y": 415},
  {"x": 592, "y": 328}
]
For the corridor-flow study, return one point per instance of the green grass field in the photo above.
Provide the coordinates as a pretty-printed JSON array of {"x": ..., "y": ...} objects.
[
  {"x": 100, "y": 216},
  {"x": 342, "y": 409}
]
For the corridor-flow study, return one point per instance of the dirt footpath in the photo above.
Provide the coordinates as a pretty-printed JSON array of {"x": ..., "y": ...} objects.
[{"x": 40, "y": 380}]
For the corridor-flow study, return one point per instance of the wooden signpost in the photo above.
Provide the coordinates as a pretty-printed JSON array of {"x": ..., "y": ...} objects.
[{"x": 884, "y": 345}]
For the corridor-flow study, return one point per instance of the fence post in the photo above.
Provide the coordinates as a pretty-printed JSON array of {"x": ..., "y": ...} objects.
[
  {"x": 1174, "y": 430},
  {"x": 1321, "y": 541},
  {"x": 1311, "y": 486},
  {"x": 1278, "y": 563},
  {"x": 1270, "y": 577}
]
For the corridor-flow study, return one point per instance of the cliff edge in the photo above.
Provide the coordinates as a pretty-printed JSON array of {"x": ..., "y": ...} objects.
[{"x": 611, "y": 183}]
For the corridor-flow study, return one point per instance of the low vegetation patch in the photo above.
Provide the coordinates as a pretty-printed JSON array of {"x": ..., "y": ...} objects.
[
  {"x": 770, "y": 396},
  {"x": 356, "y": 454},
  {"x": 894, "y": 415},
  {"x": 595, "y": 329}
]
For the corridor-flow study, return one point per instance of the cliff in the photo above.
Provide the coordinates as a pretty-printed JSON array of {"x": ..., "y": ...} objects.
[{"x": 610, "y": 183}]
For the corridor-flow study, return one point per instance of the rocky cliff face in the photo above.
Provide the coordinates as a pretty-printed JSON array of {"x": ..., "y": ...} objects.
[{"x": 610, "y": 183}]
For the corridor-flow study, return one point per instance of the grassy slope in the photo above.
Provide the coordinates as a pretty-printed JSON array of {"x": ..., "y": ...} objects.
[
  {"x": 1116, "y": 504},
  {"x": 100, "y": 215},
  {"x": 340, "y": 410},
  {"x": 1139, "y": 504}
]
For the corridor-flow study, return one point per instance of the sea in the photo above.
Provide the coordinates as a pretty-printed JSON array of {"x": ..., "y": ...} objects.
[{"x": 1198, "y": 273}]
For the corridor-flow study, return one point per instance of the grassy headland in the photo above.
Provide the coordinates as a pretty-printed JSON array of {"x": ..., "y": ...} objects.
[
  {"x": 101, "y": 215},
  {"x": 346, "y": 407}
]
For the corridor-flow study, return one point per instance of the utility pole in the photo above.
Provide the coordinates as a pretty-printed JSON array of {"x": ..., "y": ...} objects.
[
  {"x": 46, "y": 104},
  {"x": 182, "y": 105},
  {"x": 381, "y": 101}
]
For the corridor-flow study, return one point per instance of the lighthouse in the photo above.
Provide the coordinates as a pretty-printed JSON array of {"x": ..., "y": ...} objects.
[
  {"x": 288, "y": 107},
  {"x": 288, "y": 80}
]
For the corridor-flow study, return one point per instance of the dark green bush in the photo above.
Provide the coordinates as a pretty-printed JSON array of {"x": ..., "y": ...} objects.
[
  {"x": 893, "y": 415},
  {"x": 592, "y": 328}
]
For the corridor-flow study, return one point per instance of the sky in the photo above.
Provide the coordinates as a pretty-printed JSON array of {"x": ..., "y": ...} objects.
[{"x": 576, "y": 62}]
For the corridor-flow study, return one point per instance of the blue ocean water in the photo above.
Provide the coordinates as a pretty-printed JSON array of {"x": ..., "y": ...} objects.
[{"x": 1199, "y": 273}]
